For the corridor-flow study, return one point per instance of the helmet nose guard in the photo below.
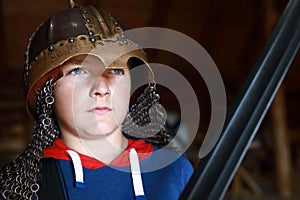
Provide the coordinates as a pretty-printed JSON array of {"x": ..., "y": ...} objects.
[{"x": 74, "y": 31}]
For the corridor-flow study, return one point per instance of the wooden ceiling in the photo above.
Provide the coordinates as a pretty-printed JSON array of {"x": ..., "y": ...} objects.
[{"x": 232, "y": 32}]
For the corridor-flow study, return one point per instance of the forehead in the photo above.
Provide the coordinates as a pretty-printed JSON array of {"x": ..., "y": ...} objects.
[{"x": 89, "y": 60}]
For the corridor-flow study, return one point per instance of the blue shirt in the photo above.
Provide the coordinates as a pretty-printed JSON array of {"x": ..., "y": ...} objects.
[{"x": 116, "y": 183}]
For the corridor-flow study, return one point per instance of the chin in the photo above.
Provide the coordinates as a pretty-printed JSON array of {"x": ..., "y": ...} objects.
[{"x": 107, "y": 129}]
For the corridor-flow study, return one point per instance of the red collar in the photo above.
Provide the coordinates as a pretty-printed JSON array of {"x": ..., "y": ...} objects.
[{"x": 59, "y": 151}]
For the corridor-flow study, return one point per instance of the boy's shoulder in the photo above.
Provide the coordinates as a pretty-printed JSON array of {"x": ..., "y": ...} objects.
[{"x": 167, "y": 158}]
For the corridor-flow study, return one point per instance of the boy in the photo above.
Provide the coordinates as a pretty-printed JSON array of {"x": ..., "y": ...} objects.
[{"x": 85, "y": 145}]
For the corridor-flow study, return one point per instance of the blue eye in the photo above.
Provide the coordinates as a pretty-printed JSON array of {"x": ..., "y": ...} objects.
[
  {"x": 77, "y": 71},
  {"x": 117, "y": 71}
]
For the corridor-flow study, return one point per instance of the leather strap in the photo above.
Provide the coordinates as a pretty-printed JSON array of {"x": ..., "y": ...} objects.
[{"x": 50, "y": 185}]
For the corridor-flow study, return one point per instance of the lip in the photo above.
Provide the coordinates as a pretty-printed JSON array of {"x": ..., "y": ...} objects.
[{"x": 101, "y": 110}]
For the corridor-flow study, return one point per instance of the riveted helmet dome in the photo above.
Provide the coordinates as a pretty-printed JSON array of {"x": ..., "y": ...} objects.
[{"x": 74, "y": 31}]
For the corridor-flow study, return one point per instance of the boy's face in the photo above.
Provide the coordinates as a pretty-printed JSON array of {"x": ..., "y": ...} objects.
[{"x": 91, "y": 101}]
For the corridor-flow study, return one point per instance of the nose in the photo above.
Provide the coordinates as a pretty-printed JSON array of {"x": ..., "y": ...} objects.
[{"x": 101, "y": 88}]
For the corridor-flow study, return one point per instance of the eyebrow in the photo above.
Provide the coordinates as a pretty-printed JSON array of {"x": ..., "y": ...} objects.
[{"x": 74, "y": 60}]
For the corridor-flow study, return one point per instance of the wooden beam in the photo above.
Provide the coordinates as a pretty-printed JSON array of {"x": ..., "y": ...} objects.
[
  {"x": 281, "y": 145},
  {"x": 279, "y": 121}
]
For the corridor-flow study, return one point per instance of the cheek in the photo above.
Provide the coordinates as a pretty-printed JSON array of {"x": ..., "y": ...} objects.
[
  {"x": 122, "y": 91},
  {"x": 121, "y": 96},
  {"x": 64, "y": 98}
]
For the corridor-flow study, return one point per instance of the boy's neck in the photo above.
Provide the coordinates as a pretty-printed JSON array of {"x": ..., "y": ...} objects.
[{"x": 105, "y": 148}]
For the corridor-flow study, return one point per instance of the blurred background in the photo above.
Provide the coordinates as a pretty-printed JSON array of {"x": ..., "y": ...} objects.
[{"x": 232, "y": 32}]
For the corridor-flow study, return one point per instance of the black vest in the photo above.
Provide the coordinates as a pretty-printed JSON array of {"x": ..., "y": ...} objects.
[{"x": 50, "y": 185}]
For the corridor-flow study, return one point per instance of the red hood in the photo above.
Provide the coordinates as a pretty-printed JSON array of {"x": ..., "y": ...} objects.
[{"x": 59, "y": 151}]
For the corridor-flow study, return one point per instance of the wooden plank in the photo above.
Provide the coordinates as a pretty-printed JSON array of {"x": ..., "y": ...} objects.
[{"x": 281, "y": 145}]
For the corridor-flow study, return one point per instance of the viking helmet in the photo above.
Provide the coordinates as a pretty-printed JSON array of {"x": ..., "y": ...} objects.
[{"x": 74, "y": 31}]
